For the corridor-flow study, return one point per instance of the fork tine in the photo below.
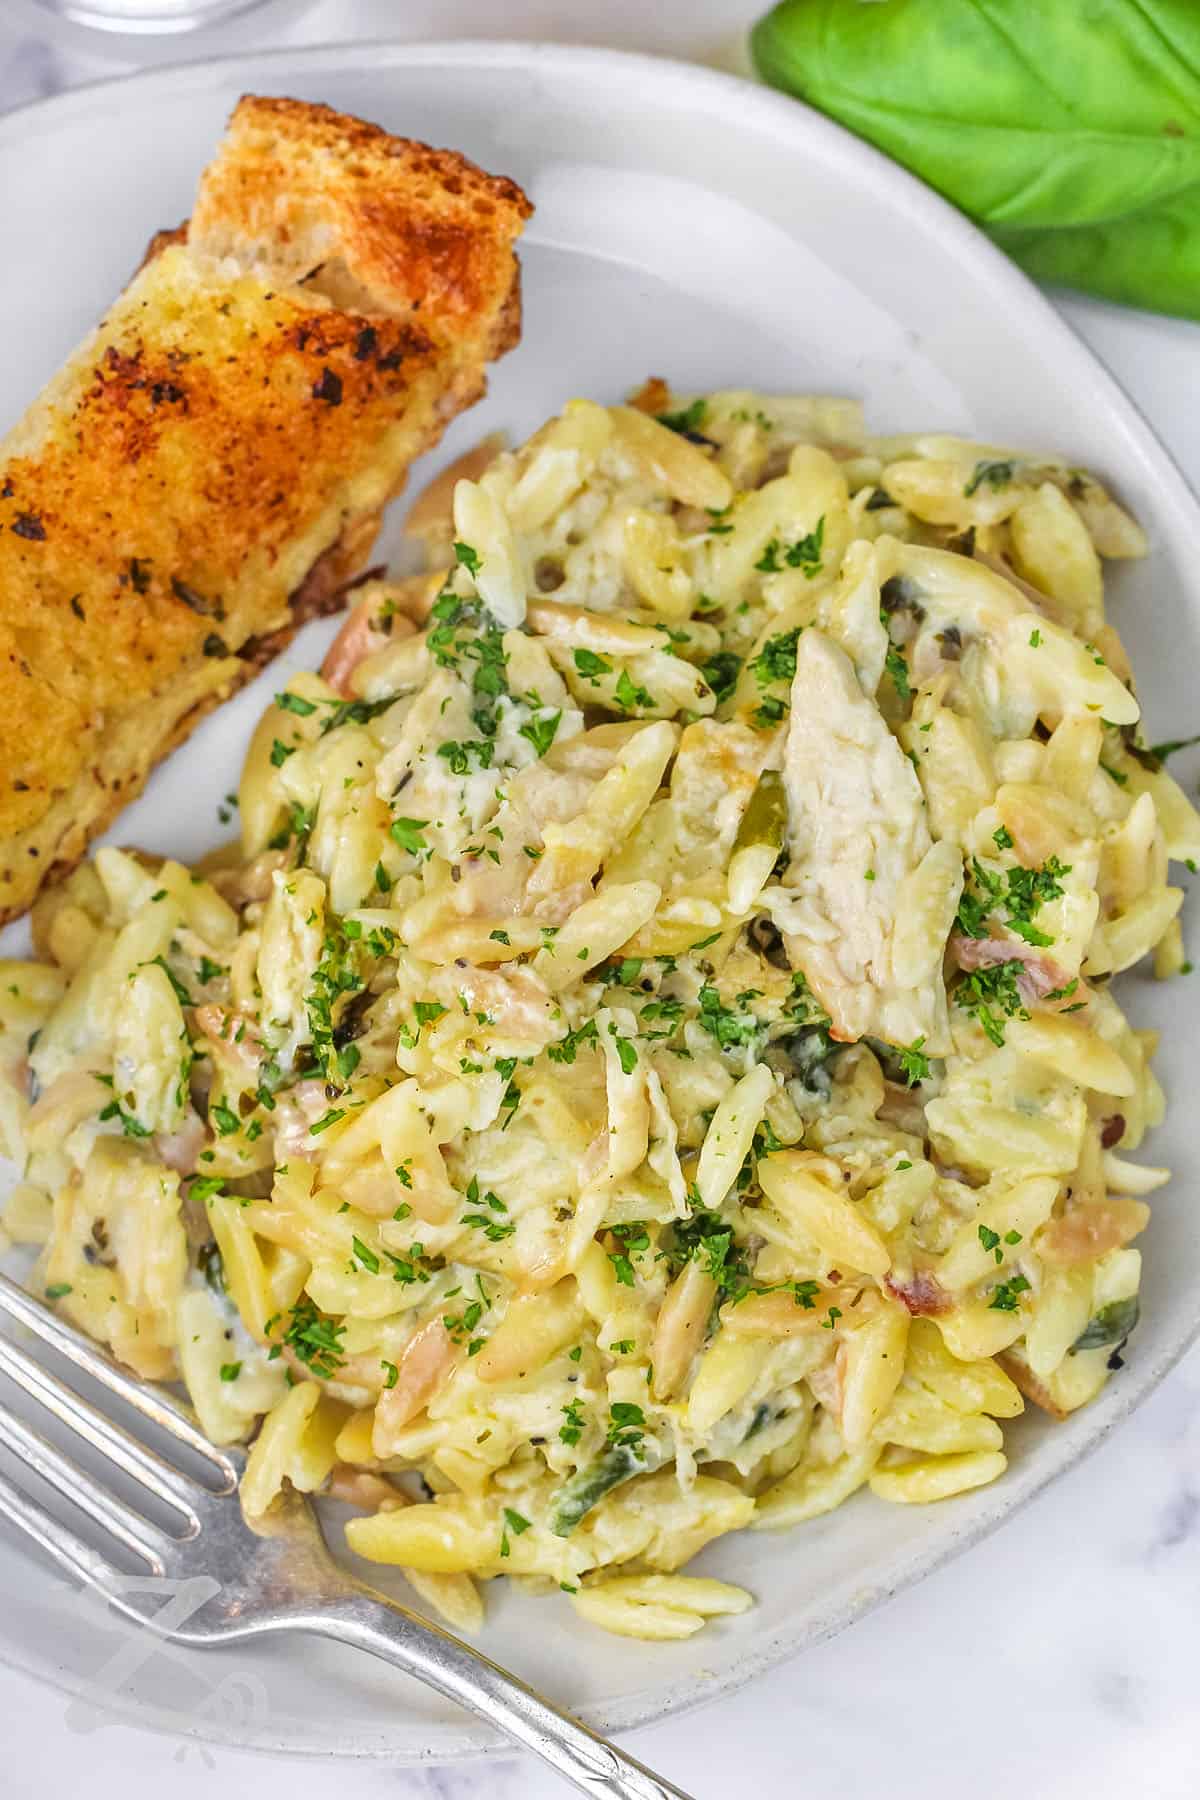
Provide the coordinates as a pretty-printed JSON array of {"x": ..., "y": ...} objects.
[
  {"x": 142, "y": 1464},
  {"x": 83, "y": 1491},
  {"x": 69, "y": 1551},
  {"x": 150, "y": 1401}
]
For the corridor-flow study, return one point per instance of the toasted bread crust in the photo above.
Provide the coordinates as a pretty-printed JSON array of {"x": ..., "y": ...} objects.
[{"x": 213, "y": 462}]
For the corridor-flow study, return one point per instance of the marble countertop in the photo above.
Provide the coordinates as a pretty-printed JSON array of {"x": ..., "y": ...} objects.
[{"x": 1057, "y": 1660}]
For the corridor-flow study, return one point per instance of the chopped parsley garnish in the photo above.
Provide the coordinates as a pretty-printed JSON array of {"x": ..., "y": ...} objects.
[
  {"x": 1016, "y": 895},
  {"x": 688, "y": 420},
  {"x": 407, "y": 834},
  {"x": 224, "y": 1118},
  {"x": 804, "y": 554},
  {"x": 630, "y": 694},
  {"x": 293, "y": 703},
  {"x": 354, "y": 712},
  {"x": 914, "y": 1063},
  {"x": 729, "y": 1027},
  {"x": 626, "y": 1424},
  {"x": 494, "y": 1230},
  {"x": 992, "y": 995},
  {"x": 338, "y": 973},
  {"x": 572, "y": 1430},
  {"x": 768, "y": 713},
  {"x": 591, "y": 666},
  {"x": 515, "y": 1522},
  {"x": 300, "y": 821},
  {"x": 467, "y": 557},
  {"x": 230, "y": 1371},
  {"x": 458, "y": 756},
  {"x": 177, "y": 987},
  {"x": 365, "y": 1255},
  {"x": 897, "y": 668},
  {"x": 280, "y": 753},
  {"x": 326, "y": 1120},
  {"x": 461, "y": 1325},
  {"x": 707, "y": 1238},
  {"x": 567, "y": 1048},
  {"x": 776, "y": 661},
  {"x": 314, "y": 1339},
  {"x": 634, "y": 1240},
  {"x": 721, "y": 672},
  {"x": 203, "y": 1187},
  {"x": 1005, "y": 1294},
  {"x": 991, "y": 1242},
  {"x": 540, "y": 732}
]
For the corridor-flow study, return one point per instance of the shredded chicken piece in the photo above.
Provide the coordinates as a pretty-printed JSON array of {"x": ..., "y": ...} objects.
[{"x": 857, "y": 832}]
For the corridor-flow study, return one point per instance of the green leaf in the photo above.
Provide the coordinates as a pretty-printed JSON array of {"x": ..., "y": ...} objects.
[
  {"x": 1070, "y": 131},
  {"x": 1109, "y": 1326},
  {"x": 689, "y": 419},
  {"x": 407, "y": 833},
  {"x": 577, "y": 1496},
  {"x": 294, "y": 703},
  {"x": 540, "y": 730}
]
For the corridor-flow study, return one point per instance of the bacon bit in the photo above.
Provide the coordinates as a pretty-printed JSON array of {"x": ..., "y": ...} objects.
[
  {"x": 1113, "y": 1131},
  {"x": 921, "y": 1293},
  {"x": 180, "y": 1148},
  {"x": 654, "y": 396},
  {"x": 423, "y": 1365},
  {"x": 359, "y": 638},
  {"x": 19, "y": 1076},
  {"x": 360, "y": 1487},
  {"x": 233, "y": 1035},
  {"x": 295, "y": 1111},
  {"x": 1039, "y": 976},
  {"x": 826, "y": 1384},
  {"x": 1084, "y": 1233}
]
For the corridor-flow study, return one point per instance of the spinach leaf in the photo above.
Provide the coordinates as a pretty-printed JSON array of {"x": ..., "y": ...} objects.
[{"x": 1109, "y": 1326}]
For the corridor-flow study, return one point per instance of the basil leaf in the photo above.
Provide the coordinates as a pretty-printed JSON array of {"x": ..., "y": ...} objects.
[{"x": 1070, "y": 132}]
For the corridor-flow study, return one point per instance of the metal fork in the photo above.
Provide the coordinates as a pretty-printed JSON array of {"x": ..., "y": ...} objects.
[{"x": 277, "y": 1576}]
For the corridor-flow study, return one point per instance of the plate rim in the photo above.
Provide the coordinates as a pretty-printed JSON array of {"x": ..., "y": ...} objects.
[{"x": 785, "y": 118}]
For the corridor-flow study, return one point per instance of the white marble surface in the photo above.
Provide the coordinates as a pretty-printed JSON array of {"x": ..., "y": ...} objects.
[{"x": 1056, "y": 1662}]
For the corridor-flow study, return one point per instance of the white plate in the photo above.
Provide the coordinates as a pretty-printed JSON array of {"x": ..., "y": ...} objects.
[{"x": 690, "y": 227}]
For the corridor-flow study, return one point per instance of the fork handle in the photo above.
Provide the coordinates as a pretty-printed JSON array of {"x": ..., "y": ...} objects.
[{"x": 372, "y": 1622}]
